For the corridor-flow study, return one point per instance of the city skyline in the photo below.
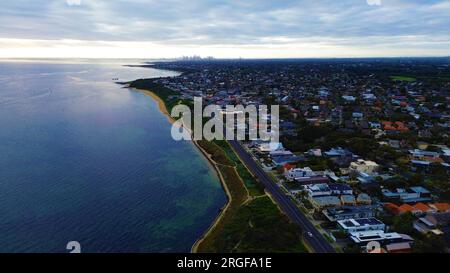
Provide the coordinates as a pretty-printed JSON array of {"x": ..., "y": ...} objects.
[{"x": 224, "y": 29}]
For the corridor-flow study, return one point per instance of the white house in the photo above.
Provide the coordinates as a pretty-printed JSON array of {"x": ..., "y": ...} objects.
[
  {"x": 360, "y": 225},
  {"x": 369, "y": 97},
  {"x": 280, "y": 153},
  {"x": 341, "y": 189},
  {"x": 293, "y": 174},
  {"x": 318, "y": 190},
  {"x": 364, "y": 166},
  {"x": 268, "y": 147},
  {"x": 349, "y": 98},
  {"x": 364, "y": 237}
]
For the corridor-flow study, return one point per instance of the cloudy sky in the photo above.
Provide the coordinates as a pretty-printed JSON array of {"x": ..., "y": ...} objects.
[{"x": 226, "y": 29}]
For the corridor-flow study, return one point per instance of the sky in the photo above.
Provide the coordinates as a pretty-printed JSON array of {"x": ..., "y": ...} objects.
[{"x": 223, "y": 29}]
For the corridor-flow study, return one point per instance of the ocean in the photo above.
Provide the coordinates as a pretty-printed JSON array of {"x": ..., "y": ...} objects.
[{"x": 84, "y": 159}]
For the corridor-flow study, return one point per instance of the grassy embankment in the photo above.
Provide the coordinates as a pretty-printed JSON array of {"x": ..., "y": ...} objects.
[{"x": 250, "y": 222}]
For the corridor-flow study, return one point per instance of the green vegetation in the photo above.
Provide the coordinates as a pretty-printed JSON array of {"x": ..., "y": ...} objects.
[
  {"x": 161, "y": 91},
  {"x": 339, "y": 234},
  {"x": 236, "y": 190},
  {"x": 222, "y": 153},
  {"x": 258, "y": 226},
  {"x": 168, "y": 96},
  {"x": 253, "y": 226},
  {"x": 328, "y": 238},
  {"x": 217, "y": 154},
  {"x": 254, "y": 188},
  {"x": 307, "y": 204},
  {"x": 251, "y": 222},
  {"x": 403, "y": 223},
  {"x": 316, "y": 164},
  {"x": 403, "y": 78},
  {"x": 352, "y": 249},
  {"x": 429, "y": 244}
]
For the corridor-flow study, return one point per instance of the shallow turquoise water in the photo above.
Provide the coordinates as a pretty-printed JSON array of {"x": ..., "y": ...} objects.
[{"x": 82, "y": 159}]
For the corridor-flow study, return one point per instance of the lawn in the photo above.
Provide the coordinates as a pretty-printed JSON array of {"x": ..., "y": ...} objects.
[
  {"x": 253, "y": 186},
  {"x": 403, "y": 78}
]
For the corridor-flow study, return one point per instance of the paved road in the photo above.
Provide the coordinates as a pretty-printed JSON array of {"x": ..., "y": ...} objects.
[{"x": 317, "y": 241}]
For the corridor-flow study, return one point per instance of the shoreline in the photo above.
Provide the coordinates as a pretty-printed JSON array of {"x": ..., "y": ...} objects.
[
  {"x": 162, "y": 107},
  {"x": 237, "y": 217},
  {"x": 223, "y": 210}
]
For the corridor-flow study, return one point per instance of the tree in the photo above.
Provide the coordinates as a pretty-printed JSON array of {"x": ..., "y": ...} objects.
[
  {"x": 353, "y": 248},
  {"x": 430, "y": 244},
  {"x": 416, "y": 179},
  {"x": 310, "y": 134},
  {"x": 280, "y": 169},
  {"x": 403, "y": 223}
]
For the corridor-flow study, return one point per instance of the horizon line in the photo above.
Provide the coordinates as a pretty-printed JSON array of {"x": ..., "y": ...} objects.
[{"x": 212, "y": 58}]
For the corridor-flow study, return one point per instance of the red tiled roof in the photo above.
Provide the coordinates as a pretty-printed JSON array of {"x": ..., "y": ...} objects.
[
  {"x": 422, "y": 207},
  {"x": 288, "y": 167},
  {"x": 442, "y": 207},
  {"x": 391, "y": 207},
  {"x": 405, "y": 208},
  {"x": 394, "y": 126}
]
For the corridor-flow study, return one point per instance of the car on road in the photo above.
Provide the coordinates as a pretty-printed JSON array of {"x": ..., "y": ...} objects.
[{"x": 310, "y": 235}]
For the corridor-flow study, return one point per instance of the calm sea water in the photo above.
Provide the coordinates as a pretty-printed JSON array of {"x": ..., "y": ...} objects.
[{"x": 82, "y": 159}]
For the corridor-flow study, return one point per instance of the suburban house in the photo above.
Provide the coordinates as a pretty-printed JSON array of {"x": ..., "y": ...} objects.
[
  {"x": 340, "y": 189},
  {"x": 281, "y": 160},
  {"x": 348, "y": 200},
  {"x": 363, "y": 199},
  {"x": 314, "y": 190},
  {"x": 280, "y": 152},
  {"x": 409, "y": 195},
  {"x": 360, "y": 225},
  {"x": 394, "y": 127},
  {"x": 348, "y": 212},
  {"x": 341, "y": 157},
  {"x": 267, "y": 147},
  {"x": 438, "y": 219},
  {"x": 440, "y": 207},
  {"x": 331, "y": 195},
  {"x": 322, "y": 202},
  {"x": 404, "y": 247},
  {"x": 364, "y": 178},
  {"x": 295, "y": 173},
  {"x": 418, "y": 209},
  {"x": 364, "y": 166},
  {"x": 432, "y": 222},
  {"x": 349, "y": 99},
  {"x": 331, "y": 189},
  {"x": 338, "y": 152},
  {"x": 364, "y": 237},
  {"x": 421, "y": 155},
  {"x": 303, "y": 181},
  {"x": 421, "y": 208}
]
